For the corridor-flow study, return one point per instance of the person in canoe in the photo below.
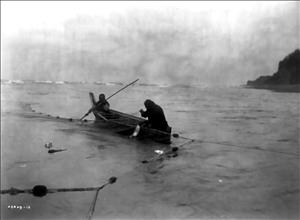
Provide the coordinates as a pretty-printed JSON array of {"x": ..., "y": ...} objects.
[
  {"x": 102, "y": 104},
  {"x": 155, "y": 115},
  {"x": 156, "y": 118}
]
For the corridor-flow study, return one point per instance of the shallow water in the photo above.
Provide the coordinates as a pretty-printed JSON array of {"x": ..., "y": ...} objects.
[{"x": 244, "y": 162}]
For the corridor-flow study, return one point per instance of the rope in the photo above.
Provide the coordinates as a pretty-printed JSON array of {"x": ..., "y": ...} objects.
[
  {"x": 250, "y": 148},
  {"x": 41, "y": 190},
  {"x": 189, "y": 141},
  {"x": 175, "y": 135},
  {"x": 237, "y": 146},
  {"x": 92, "y": 207}
]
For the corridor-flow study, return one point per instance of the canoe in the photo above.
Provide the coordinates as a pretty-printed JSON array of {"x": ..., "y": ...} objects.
[{"x": 125, "y": 124}]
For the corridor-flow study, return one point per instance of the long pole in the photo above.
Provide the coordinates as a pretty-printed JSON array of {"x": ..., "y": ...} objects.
[
  {"x": 122, "y": 89},
  {"x": 109, "y": 98}
]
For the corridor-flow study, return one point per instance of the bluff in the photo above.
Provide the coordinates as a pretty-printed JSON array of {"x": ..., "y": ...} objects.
[{"x": 287, "y": 73}]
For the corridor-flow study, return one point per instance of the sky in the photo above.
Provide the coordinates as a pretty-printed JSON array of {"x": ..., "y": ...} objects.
[{"x": 196, "y": 42}]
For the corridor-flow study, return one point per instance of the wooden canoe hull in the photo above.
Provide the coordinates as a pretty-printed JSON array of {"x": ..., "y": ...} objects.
[{"x": 125, "y": 124}]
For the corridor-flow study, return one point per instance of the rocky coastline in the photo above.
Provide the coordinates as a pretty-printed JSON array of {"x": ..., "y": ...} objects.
[{"x": 286, "y": 79}]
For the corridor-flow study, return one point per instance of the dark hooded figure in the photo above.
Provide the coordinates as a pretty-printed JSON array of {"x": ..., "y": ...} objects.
[
  {"x": 102, "y": 104},
  {"x": 155, "y": 115}
]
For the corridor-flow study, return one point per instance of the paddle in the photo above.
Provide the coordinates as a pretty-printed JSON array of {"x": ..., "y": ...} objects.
[{"x": 109, "y": 98}]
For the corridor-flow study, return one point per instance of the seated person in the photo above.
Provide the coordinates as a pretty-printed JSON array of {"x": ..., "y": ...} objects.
[
  {"x": 155, "y": 115},
  {"x": 102, "y": 104}
]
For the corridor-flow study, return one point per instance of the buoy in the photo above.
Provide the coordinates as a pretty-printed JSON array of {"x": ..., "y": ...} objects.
[
  {"x": 70, "y": 119},
  {"x": 175, "y": 135},
  {"x": 57, "y": 116},
  {"x": 174, "y": 149},
  {"x": 39, "y": 190},
  {"x": 85, "y": 120},
  {"x": 112, "y": 179}
]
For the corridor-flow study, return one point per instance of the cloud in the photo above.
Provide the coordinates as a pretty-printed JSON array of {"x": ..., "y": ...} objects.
[{"x": 212, "y": 47}]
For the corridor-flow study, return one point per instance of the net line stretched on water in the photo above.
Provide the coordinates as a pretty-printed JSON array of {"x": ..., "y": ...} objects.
[{"x": 41, "y": 190}]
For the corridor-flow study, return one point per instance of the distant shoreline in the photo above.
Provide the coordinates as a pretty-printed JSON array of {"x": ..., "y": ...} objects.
[{"x": 276, "y": 88}]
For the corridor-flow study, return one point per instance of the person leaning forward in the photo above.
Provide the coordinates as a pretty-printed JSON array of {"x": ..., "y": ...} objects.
[
  {"x": 155, "y": 115},
  {"x": 156, "y": 118}
]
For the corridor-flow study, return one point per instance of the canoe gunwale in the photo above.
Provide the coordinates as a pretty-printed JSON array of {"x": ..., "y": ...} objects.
[
  {"x": 134, "y": 121},
  {"x": 128, "y": 123}
]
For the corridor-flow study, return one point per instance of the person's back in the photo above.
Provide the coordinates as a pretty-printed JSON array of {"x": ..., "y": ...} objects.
[{"x": 156, "y": 116}]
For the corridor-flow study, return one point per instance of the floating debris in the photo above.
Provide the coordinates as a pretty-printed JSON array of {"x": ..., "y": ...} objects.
[
  {"x": 162, "y": 155},
  {"x": 48, "y": 145},
  {"x": 55, "y": 150},
  {"x": 159, "y": 152}
]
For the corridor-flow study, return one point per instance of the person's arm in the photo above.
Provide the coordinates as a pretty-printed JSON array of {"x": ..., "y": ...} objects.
[
  {"x": 106, "y": 106},
  {"x": 95, "y": 106},
  {"x": 144, "y": 113}
]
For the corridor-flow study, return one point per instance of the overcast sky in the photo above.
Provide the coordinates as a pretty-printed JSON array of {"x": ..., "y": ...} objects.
[{"x": 192, "y": 42}]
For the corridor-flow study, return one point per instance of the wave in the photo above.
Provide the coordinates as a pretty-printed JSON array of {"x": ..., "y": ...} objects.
[
  {"x": 117, "y": 83},
  {"x": 147, "y": 84},
  {"x": 75, "y": 82},
  {"x": 59, "y": 82},
  {"x": 163, "y": 86},
  {"x": 187, "y": 86},
  {"x": 12, "y": 81},
  {"x": 182, "y": 85},
  {"x": 108, "y": 83},
  {"x": 113, "y": 84},
  {"x": 99, "y": 83},
  {"x": 43, "y": 81}
]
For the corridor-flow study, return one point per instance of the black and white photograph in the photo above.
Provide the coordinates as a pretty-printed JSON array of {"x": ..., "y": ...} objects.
[{"x": 150, "y": 110}]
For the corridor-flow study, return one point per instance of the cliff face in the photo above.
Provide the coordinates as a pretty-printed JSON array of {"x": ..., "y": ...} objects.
[{"x": 287, "y": 73}]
